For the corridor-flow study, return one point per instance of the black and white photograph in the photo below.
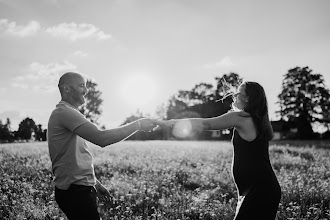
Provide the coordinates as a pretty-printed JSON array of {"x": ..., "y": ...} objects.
[{"x": 164, "y": 110}]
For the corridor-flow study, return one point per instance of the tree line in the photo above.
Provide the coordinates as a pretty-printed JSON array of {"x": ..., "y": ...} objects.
[
  {"x": 304, "y": 101},
  {"x": 27, "y": 130}
]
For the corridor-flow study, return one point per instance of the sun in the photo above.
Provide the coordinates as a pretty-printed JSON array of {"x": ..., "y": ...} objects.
[{"x": 138, "y": 89}]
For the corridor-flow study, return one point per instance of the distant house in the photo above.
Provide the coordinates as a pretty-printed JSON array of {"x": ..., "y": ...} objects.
[
  {"x": 216, "y": 133},
  {"x": 221, "y": 134},
  {"x": 283, "y": 129}
]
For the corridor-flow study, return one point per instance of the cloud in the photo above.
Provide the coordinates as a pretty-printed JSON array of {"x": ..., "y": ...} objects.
[
  {"x": 72, "y": 30},
  {"x": 20, "y": 84},
  {"x": 75, "y": 31},
  {"x": 79, "y": 53},
  {"x": 19, "y": 30},
  {"x": 224, "y": 63},
  {"x": 42, "y": 77},
  {"x": 50, "y": 70}
]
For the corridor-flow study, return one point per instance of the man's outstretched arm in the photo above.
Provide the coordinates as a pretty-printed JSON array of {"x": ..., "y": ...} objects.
[{"x": 102, "y": 138}]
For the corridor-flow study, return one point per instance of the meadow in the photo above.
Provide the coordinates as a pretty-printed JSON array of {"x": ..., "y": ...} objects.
[{"x": 184, "y": 180}]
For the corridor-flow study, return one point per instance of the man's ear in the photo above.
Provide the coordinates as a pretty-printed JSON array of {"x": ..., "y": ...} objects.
[{"x": 66, "y": 88}]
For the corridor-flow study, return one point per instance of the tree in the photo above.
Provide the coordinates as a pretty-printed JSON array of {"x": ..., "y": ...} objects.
[
  {"x": 303, "y": 99},
  {"x": 233, "y": 79},
  {"x": 91, "y": 109},
  {"x": 39, "y": 133},
  {"x": 5, "y": 132},
  {"x": 203, "y": 98},
  {"x": 200, "y": 94},
  {"x": 25, "y": 129},
  {"x": 161, "y": 112},
  {"x": 187, "y": 114},
  {"x": 174, "y": 107}
]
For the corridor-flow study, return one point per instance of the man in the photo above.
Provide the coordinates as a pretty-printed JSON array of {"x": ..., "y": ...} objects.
[{"x": 68, "y": 130}]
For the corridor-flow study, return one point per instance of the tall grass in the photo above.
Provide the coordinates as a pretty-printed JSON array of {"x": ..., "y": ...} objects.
[{"x": 166, "y": 180}]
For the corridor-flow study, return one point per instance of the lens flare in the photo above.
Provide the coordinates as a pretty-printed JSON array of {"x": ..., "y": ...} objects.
[{"x": 182, "y": 129}]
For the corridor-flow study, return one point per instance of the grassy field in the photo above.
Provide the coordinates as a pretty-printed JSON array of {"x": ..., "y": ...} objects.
[{"x": 167, "y": 180}]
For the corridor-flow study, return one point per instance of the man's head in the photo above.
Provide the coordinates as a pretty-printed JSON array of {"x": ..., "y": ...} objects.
[{"x": 72, "y": 87}]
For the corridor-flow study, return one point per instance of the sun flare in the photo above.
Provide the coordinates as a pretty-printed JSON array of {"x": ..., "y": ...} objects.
[
  {"x": 138, "y": 89},
  {"x": 182, "y": 129}
]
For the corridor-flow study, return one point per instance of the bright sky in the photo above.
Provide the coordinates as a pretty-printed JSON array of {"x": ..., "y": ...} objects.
[{"x": 158, "y": 47}]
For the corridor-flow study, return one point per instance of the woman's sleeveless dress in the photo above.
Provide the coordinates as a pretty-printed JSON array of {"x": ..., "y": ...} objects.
[{"x": 259, "y": 192}]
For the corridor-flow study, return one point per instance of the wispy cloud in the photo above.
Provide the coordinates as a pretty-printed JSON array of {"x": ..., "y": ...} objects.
[
  {"x": 79, "y": 53},
  {"x": 75, "y": 31},
  {"x": 223, "y": 63},
  {"x": 42, "y": 77},
  {"x": 20, "y": 84},
  {"x": 19, "y": 30},
  {"x": 50, "y": 70},
  {"x": 71, "y": 31}
]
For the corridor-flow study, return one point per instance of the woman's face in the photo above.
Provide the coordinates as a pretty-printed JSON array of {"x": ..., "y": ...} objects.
[{"x": 240, "y": 98}]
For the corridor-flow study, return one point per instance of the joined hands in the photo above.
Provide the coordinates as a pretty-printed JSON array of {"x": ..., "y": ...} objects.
[{"x": 146, "y": 124}]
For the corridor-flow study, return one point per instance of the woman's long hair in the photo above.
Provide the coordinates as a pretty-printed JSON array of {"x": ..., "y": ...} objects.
[{"x": 257, "y": 107}]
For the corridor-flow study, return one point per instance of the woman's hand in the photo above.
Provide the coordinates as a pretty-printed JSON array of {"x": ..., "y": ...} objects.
[{"x": 101, "y": 190}]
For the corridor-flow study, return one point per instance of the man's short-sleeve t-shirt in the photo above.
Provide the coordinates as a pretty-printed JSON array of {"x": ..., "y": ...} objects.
[{"x": 72, "y": 163}]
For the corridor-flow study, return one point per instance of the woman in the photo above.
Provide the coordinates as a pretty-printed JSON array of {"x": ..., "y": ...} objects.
[{"x": 259, "y": 192}]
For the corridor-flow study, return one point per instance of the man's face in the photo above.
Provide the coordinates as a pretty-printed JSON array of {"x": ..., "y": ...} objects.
[{"x": 78, "y": 90}]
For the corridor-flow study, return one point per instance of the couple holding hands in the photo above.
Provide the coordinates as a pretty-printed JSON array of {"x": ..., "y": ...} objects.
[{"x": 76, "y": 186}]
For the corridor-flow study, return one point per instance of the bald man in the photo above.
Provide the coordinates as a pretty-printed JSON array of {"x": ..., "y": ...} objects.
[{"x": 76, "y": 186}]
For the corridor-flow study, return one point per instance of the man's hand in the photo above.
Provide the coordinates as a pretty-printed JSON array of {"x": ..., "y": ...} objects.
[{"x": 146, "y": 124}]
